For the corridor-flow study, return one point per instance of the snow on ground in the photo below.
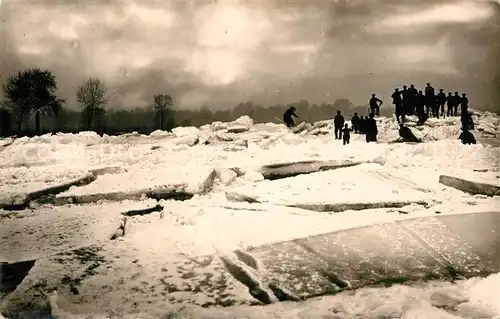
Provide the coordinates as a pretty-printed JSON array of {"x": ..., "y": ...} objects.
[
  {"x": 473, "y": 298},
  {"x": 210, "y": 223}
]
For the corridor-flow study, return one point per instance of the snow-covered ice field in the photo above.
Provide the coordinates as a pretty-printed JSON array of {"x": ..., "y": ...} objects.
[{"x": 216, "y": 195}]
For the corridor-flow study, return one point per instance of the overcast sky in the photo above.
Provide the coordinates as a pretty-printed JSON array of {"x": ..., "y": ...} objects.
[{"x": 219, "y": 54}]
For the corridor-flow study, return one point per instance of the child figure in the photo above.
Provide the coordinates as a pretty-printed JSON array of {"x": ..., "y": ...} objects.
[{"x": 346, "y": 136}]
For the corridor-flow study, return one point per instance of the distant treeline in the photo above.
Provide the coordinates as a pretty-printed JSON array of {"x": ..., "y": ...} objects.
[{"x": 31, "y": 108}]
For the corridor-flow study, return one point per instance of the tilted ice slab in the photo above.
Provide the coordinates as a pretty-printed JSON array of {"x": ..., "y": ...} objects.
[
  {"x": 27, "y": 179},
  {"x": 473, "y": 183},
  {"x": 161, "y": 181},
  {"x": 359, "y": 187},
  {"x": 22, "y": 185},
  {"x": 16, "y": 198}
]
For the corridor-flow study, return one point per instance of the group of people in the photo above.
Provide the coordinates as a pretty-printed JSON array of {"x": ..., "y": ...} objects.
[
  {"x": 411, "y": 101},
  {"x": 408, "y": 101},
  {"x": 360, "y": 125},
  {"x": 365, "y": 125}
]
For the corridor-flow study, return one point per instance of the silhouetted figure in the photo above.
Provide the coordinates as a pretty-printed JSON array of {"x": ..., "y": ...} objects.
[
  {"x": 467, "y": 121},
  {"x": 456, "y": 103},
  {"x": 407, "y": 100},
  {"x": 346, "y": 135},
  {"x": 430, "y": 98},
  {"x": 467, "y": 137},
  {"x": 414, "y": 93},
  {"x": 398, "y": 105},
  {"x": 464, "y": 104},
  {"x": 362, "y": 125},
  {"x": 371, "y": 129},
  {"x": 422, "y": 114},
  {"x": 449, "y": 103},
  {"x": 375, "y": 104},
  {"x": 355, "y": 123},
  {"x": 407, "y": 135},
  {"x": 441, "y": 101},
  {"x": 338, "y": 123},
  {"x": 420, "y": 104},
  {"x": 288, "y": 116}
]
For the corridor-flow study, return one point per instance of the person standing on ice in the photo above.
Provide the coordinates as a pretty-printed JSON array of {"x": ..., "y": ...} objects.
[
  {"x": 449, "y": 104},
  {"x": 441, "y": 101},
  {"x": 371, "y": 129},
  {"x": 430, "y": 99},
  {"x": 362, "y": 125},
  {"x": 346, "y": 135},
  {"x": 464, "y": 104},
  {"x": 420, "y": 103},
  {"x": 338, "y": 123},
  {"x": 407, "y": 100},
  {"x": 413, "y": 95},
  {"x": 467, "y": 121},
  {"x": 355, "y": 123},
  {"x": 288, "y": 116},
  {"x": 375, "y": 104},
  {"x": 456, "y": 103},
  {"x": 422, "y": 116},
  {"x": 398, "y": 105}
]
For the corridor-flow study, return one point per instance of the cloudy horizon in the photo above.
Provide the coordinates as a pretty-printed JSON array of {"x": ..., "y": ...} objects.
[{"x": 220, "y": 54}]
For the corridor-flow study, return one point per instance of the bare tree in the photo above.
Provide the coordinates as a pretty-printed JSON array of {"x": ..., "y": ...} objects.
[
  {"x": 92, "y": 97},
  {"x": 163, "y": 105}
]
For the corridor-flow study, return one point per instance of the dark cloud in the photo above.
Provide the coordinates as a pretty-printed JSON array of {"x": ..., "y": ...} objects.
[{"x": 271, "y": 52}]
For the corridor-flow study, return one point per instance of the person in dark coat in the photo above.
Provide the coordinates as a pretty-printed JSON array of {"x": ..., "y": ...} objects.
[
  {"x": 414, "y": 93},
  {"x": 362, "y": 125},
  {"x": 449, "y": 103},
  {"x": 420, "y": 104},
  {"x": 346, "y": 135},
  {"x": 464, "y": 104},
  {"x": 338, "y": 123},
  {"x": 430, "y": 98},
  {"x": 422, "y": 115},
  {"x": 407, "y": 135},
  {"x": 375, "y": 104},
  {"x": 355, "y": 123},
  {"x": 467, "y": 121},
  {"x": 371, "y": 129},
  {"x": 456, "y": 103},
  {"x": 398, "y": 105},
  {"x": 288, "y": 116},
  {"x": 441, "y": 101},
  {"x": 407, "y": 100}
]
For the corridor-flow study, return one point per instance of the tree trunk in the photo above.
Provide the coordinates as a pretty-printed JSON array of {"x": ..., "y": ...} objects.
[
  {"x": 161, "y": 119},
  {"x": 37, "y": 123},
  {"x": 90, "y": 118},
  {"x": 20, "y": 123}
]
